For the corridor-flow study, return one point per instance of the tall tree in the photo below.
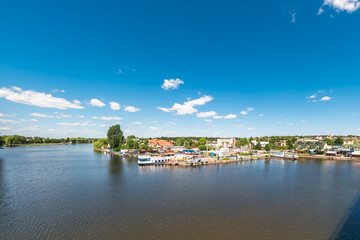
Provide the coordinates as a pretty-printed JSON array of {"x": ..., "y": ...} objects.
[
  {"x": 339, "y": 140},
  {"x": 115, "y": 136}
]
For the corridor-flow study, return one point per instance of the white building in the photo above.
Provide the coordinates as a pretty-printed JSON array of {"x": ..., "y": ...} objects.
[
  {"x": 225, "y": 142},
  {"x": 263, "y": 144},
  {"x": 176, "y": 148}
]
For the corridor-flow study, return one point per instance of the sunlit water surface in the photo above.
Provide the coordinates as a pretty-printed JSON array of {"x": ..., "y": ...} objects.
[{"x": 71, "y": 192}]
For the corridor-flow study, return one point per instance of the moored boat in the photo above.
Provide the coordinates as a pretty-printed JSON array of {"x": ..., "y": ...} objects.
[
  {"x": 284, "y": 155},
  {"x": 148, "y": 160},
  {"x": 144, "y": 160}
]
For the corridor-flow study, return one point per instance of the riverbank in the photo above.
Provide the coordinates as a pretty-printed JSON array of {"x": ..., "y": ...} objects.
[
  {"x": 323, "y": 157},
  {"x": 204, "y": 160}
]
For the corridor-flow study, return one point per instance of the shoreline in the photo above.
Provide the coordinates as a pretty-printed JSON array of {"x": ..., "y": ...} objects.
[{"x": 211, "y": 160}]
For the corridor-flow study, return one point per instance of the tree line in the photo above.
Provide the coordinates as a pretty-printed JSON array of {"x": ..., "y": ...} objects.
[{"x": 14, "y": 140}]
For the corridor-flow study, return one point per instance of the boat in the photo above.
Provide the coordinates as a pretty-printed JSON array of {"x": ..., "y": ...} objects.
[
  {"x": 144, "y": 160},
  {"x": 149, "y": 160},
  {"x": 279, "y": 154}
]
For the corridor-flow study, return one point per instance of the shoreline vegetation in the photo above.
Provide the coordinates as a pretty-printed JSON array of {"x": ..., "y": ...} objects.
[{"x": 17, "y": 140}]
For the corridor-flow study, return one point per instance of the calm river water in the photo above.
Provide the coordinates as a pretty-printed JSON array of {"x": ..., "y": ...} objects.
[{"x": 71, "y": 192}]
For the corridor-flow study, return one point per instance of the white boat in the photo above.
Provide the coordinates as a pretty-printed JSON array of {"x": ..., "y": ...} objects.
[
  {"x": 144, "y": 160},
  {"x": 148, "y": 160},
  {"x": 279, "y": 154}
]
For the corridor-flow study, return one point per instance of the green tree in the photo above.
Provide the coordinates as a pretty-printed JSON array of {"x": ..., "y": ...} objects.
[
  {"x": 202, "y": 147},
  {"x": 101, "y": 143},
  {"x": 115, "y": 136},
  {"x": 202, "y": 141},
  {"x": 258, "y": 146},
  {"x": 242, "y": 142},
  {"x": 10, "y": 141},
  {"x": 267, "y": 147},
  {"x": 180, "y": 141},
  {"x": 328, "y": 141},
  {"x": 339, "y": 140}
]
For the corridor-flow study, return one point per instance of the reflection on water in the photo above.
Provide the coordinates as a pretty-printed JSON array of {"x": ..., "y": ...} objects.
[{"x": 71, "y": 192}]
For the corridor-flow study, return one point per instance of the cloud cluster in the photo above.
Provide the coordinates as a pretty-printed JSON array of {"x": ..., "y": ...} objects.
[
  {"x": 188, "y": 107},
  {"x": 56, "y": 115},
  {"x": 75, "y": 124},
  {"x": 341, "y": 5},
  {"x": 30, "y": 97},
  {"x": 171, "y": 83},
  {"x": 314, "y": 98},
  {"x": 7, "y": 115},
  {"x": 110, "y": 118},
  {"x": 249, "y": 109}
]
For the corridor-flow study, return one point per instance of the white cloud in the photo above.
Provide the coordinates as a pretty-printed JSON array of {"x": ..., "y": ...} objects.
[
  {"x": 187, "y": 107},
  {"x": 208, "y": 120},
  {"x": 206, "y": 114},
  {"x": 261, "y": 115},
  {"x": 172, "y": 84},
  {"x": 8, "y": 121},
  {"x": 279, "y": 122},
  {"x": 312, "y": 96},
  {"x": 110, "y": 118},
  {"x": 38, "y": 99},
  {"x": 131, "y": 109},
  {"x": 56, "y": 90},
  {"x": 83, "y": 123},
  {"x": 293, "y": 15},
  {"x": 154, "y": 128},
  {"x": 5, "y": 128},
  {"x": 239, "y": 126},
  {"x": 7, "y": 115},
  {"x": 97, "y": 103},
  {"x": 230, "y": 116},
  {"x": 341, "y": 5},
  {"x": 57, "y": 115},
  {"x": 136, "y": 123},
  {"x": 290, "y": 124},
  {"x": 244, "y": 113},
  {"x": 114, "y": 106},
  {"x": 250, "y": 128},
  {"x": 29, "y": 120},
  {"x": 326, "y": 98},
  {"x": 172, "y": 123},
  {"x": 248, "y": 109},
  {"x": 164, "y": 109},
  {"x": 218, "y": 117}
]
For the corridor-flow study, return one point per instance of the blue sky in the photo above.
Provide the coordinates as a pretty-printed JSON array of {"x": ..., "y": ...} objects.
[{"x": 179, "y": 68}]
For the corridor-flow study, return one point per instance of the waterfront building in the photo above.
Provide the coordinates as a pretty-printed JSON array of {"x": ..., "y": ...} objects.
[
  {"x": 225, "y": 142},
  {"x": 263, "y": 144}
]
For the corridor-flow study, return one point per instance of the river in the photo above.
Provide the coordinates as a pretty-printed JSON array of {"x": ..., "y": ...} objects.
[{"x": 72, "y": 192}]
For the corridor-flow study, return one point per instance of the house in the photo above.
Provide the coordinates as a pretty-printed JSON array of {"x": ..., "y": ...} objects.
[
  {"x": 263, "y": 144},
  {"x": 348, "y": 141},
  {"x": 163, "y": 144},
  {"x": 225, "y": 142},
  {"x": 176, "y": 148},
  {"x": 281, "y": 144}
]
